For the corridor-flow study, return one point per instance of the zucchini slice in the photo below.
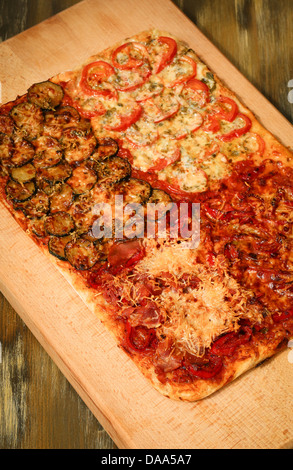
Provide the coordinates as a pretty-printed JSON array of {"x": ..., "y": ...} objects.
[
  {"x": 62, "y": 118},
  {"x": 24, "y": 173},
  {"x": 55, "y": 174},
  {"x": 36, "y": 207},
  {"x": 20, "y": 192},
  {"x": 84, "y": 222},
  {"x": 113, "y": 169},
  {"x": 61, "y": 199},
  {"x": 107, "y": 147},
  {"x": 48, "y": 152},
  {"x": 28, "y": 118},
  {"x": 46, "y": 95},
  {"x": 59, "y": 224},
  {"x": 134, "y": 191},
  {"x": 83, "y": 179},
  {"x": 23, "y": 152},
  {"x": 56, "y": 246},
  {"x": 82, "y": 254},
  {"x": 78, "y": 144},
  {"x": 36, "y": 225}
]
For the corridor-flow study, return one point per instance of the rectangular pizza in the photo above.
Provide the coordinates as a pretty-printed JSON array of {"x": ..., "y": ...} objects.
[{"x": 165, "y": 204}]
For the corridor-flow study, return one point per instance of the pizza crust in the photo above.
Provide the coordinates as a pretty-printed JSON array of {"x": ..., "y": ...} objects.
[{"x": 248, "y": 355}]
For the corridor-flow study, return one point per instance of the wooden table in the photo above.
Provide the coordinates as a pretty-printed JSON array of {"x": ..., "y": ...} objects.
[{"x": 38, "y": 406}]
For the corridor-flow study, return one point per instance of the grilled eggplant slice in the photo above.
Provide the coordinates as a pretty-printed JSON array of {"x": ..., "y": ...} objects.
[
  {"x": 61, "y": 199},
  {"x": 59, "y": 224},
  {"x": 82, "y": 254},
  {"x": 113, "y": 170},
  {"x": 37, "y": 227},
  {"x": 28, "y": 118},
  {"x": 48, "y": 152},
  {"x": 134, "y": 191},
  {"x": 83, "y": 178},
  {"x": 36, "y": 207},
  {"x": 78, "y": 144},
  {"x": 46, "y": 95},
  {"x": 106, "y": 148},
  {"x": 23, "y": 152},
  {"x": 55, "y": 174},
  {"x": 20, "y": 192},
  {"x": 62, "y": 118},
  {"x": 56, "y": 246},
  {"x": 24, "y": 173}
]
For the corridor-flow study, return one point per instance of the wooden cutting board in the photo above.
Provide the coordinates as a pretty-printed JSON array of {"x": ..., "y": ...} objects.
[{"x": 252, "y": 412}]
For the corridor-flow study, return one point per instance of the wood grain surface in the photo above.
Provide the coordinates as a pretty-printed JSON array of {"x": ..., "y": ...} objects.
[{"x": 38, "y": 406}]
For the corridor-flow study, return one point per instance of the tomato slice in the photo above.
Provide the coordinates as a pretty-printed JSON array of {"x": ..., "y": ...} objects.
[
  {"x": 279, "y": 317},
  {"x": 196, "y": 91},
  {"x": 238, "y": 132},
  {"x": 227, "y": 344},
  {"x": 211, "y": 124},
  {"x": 152, "y": 87},
  {"x": 168, "y": 54},
  {"x": 127, "y": 119},
  {"x": 129, "y": 80},
  {"x": 161, "y": 107},
  {"x": 94, "y": 78},
  {"x": 227, "y": 114},
  {"x": 130, "y": 55},
  {"x": 90, "y": 109},
  {"x": 138, "y": 338},
  {"x": 142, "y": 133},
  {"x": 186, "y": 76},
  {"x": 163, "y": 162}
]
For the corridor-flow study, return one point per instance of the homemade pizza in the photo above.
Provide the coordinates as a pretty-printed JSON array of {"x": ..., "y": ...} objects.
[{"x": 137, "y": 137}]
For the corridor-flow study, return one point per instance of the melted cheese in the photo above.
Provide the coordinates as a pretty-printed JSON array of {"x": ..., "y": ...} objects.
[{"x": 195, "y": 316}]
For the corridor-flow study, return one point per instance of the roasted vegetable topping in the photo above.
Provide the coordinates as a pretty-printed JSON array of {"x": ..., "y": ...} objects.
[
  {"x": 82, "y": 254},
  {"x": 83, "y": 179},
  {"x": 106, "y": 148},
  {"x": 20, "y": 192},
  {"x": 62, "y": 198},
  {"x": 48, "y": 152},
  {"x": 28, "y": 118},
  {"x": 78, "y": 144},
  {"x": 55, "y": 174},
  {"x": 57, "y": 246},
  {"x": 24, "y": 173},
  {"x": 47, "y": 95},
  {"x": 113, "y": 169},
  {"x": 59, "y": 224}
]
